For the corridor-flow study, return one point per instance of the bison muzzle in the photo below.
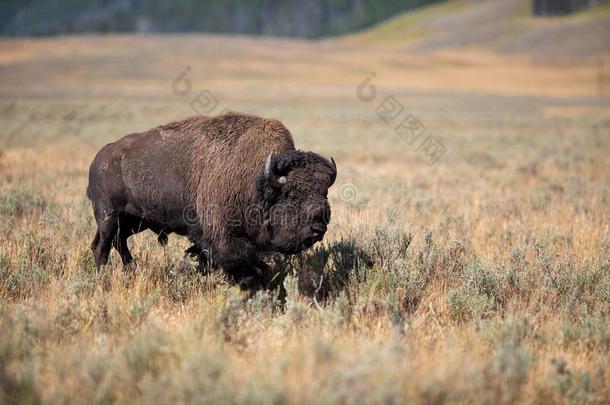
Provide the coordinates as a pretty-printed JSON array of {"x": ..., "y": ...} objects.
[{"x": 234, "y": 184}]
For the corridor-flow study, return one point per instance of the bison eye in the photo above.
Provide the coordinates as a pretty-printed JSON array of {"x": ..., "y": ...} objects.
[{"x": 290, "y": 194}]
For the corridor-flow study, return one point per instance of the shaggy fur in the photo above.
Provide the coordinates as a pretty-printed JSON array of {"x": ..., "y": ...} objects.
[{"x": 204, "y": 178}]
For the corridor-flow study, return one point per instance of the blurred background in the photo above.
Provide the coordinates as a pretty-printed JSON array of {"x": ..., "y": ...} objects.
[{"x": 411, "y": 97}]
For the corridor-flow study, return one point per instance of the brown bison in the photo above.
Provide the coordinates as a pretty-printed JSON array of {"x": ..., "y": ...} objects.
[{"x": 233, "y": 184}]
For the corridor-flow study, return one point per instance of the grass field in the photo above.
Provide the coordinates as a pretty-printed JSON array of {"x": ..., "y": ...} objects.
[{"x": 481, "y": 278}]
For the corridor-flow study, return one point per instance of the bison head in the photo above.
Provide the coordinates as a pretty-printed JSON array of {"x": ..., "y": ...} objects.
[{"x": 294, "y": 186}]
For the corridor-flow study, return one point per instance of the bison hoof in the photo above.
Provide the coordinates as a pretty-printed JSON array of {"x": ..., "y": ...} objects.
[
  {"x": 162, "y": 239},
  {"x": 194, "y": 251}
]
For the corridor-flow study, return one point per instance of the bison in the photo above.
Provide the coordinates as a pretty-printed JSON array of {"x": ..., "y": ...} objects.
[{"x": 234, "y": 184}]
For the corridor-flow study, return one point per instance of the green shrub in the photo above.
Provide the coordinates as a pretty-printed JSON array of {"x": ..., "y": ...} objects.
[
  {"x": 489, "y": 282},
  {"x": 388, "y": 244},
  {"x": 17, "y": 203},
  {"x": 182, "y": 281},
  {"x": 145, "y": 356},
  {"x": 296, "y": 310},
  {"x": 466, "y": 303},
  {"x": 17, "y": 366},
  {"x": 590, "y": 332},
  {"x": 231, "y": 315},
  {"x": 23, "y": 279},
  {"x": 508, "y": 372},
  {"x": 575, "y": 386},
  {"x": 325, "y": 270}
]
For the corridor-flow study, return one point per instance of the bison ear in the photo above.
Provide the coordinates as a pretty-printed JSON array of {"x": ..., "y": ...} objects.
[
  {"x": 271, "y": 177},
  {"x": 333, "y": 176}
]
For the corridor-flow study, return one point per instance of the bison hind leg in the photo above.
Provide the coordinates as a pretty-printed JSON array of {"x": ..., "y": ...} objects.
[
  {"x": 106, "y": 231},
  {"x": 120, "y": 244},
  {"x": 94, "y": 246},
  {"x": 96, "y": 241},
  {"x": 128, "y": 225}
]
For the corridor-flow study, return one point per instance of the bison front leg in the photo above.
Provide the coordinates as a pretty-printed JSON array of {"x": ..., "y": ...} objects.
[
  {"x": 260, "y": 276},
  {"x": 238, "y": 260},
  {"x": 246, "y": 275},
  {"x": 252, "y": 278},
  {"x": 199, "y": 250},
  {"x": 203, "y": 258}
]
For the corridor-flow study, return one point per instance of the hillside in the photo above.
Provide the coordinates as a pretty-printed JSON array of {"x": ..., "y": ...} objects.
[{"x": 505, "y": 26}]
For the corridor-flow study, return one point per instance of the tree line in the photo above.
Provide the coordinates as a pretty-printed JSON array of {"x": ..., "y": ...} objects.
[{"x": 304, "y": 18}]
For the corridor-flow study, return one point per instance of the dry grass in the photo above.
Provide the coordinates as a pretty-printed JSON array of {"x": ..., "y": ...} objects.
[{"x": 482, "y": 278}]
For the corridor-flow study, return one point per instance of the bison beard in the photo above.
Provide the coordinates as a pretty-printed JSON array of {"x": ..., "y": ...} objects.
[{"x": 233, "y": 184}]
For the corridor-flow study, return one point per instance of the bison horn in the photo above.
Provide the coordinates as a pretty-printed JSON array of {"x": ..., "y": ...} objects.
[
  {"x": 334, "y": 176},
  {"x": 270, "y": 176}
]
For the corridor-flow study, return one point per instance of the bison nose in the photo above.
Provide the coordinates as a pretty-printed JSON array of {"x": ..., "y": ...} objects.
[{"x": 317, "y": 230}]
